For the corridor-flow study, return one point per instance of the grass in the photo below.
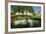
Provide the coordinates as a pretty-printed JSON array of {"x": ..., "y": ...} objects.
[
  {"x": 20, "y": 17},
  {"x": 35, "y": 16}
]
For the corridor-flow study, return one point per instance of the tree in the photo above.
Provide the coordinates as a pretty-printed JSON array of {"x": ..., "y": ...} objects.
[{"x": 14, "y": 9}]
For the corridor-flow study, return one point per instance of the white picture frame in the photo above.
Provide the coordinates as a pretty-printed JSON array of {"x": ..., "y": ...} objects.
[{"x": 24, "y": 29}]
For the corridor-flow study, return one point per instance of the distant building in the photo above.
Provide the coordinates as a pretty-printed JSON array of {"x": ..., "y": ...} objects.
[
  {"x": 19, "y": 13},
  {"x": 29, "y": 13}
]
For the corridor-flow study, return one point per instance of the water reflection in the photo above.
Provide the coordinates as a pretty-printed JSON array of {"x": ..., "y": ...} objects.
[{"x": 28, "y": 23}]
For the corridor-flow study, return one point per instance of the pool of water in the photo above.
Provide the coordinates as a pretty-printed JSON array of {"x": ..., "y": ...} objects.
[{"x": 24, "y": 22}]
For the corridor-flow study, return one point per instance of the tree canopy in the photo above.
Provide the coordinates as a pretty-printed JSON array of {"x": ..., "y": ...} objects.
[{"x": 21, "y": 9}]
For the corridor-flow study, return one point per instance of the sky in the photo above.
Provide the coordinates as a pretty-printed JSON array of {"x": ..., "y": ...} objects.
[{"x": 37, "y": 8}]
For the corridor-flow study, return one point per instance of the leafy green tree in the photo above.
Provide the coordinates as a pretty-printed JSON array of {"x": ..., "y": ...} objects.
[{"x": 14, "y": 9}]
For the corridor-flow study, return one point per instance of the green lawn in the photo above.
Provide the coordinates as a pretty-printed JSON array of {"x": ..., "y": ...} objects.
[
  {"x": 35, "y": 16},
  {"x": 19, "y": 17}
]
